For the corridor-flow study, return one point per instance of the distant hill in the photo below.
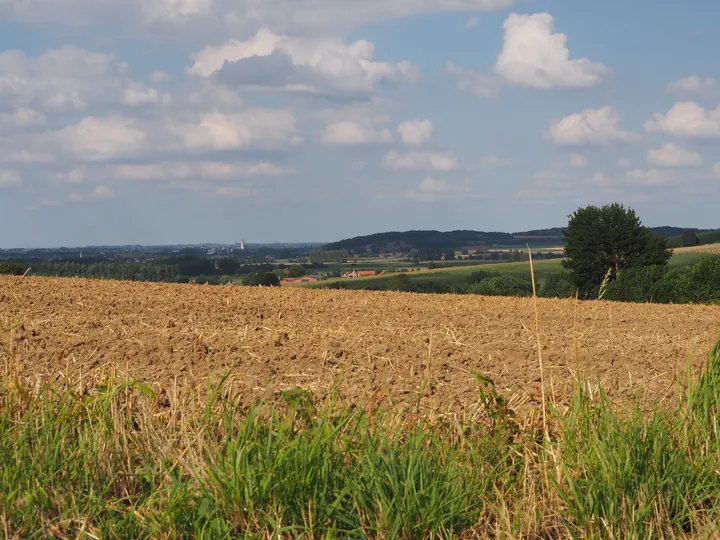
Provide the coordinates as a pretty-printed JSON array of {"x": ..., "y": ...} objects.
[
  {"x": 437, "y": 240},
  {"x": 422, "y": 240},
  {"x": 556, "y": 232}
]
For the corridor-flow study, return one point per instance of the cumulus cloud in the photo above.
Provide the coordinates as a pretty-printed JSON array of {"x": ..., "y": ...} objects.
[
  {"x": 315, "y": 65},
  {"x": 100, "y": 193},
  {"x": 23, "y": 117},
  {"x": 591, "y": 127},
  {"x": 204, "y": 18},
  {"x": 429, "y": 190},
  {"x": 10, "y": 179},
  {"x": 578, "y": 160},
  {"x": 203, "y": 170},
  {"x": 535, "y": 56},
  {"x": 410, "y": 161},
  {"x": 269, "y": 129},
  {"x": 686, "y": 119},
  {"x": 137, "y": 95},
  {"x": 350, "y": 133},
  {"x": 532, "y": 56},
  {"x": 672, "y": 155},
  {"x": 415, "y": 132},
  {"x": 652, "y": 177},
  {"x": 694, "y": 85},
  {"x": 95, "y": 138}
]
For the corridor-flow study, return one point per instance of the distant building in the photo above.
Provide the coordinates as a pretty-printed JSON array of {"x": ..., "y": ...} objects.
[
  {"x": 297, "y": 281},
  {"x": 361, "y": 273},
  {"x": 242, "y": 245}
]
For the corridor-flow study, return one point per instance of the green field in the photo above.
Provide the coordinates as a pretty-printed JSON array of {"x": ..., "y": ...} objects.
[{"x": 458, "y": 275}]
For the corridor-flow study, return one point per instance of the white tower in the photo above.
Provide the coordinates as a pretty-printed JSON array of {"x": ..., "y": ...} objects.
[{"x": 242, "y": 245}]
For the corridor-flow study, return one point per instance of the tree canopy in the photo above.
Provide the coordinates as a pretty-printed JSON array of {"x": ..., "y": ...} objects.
[{"x": 609, "y": 238}]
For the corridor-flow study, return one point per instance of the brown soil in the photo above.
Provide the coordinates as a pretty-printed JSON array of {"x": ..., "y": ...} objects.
[{"x": 377, "y": 346}]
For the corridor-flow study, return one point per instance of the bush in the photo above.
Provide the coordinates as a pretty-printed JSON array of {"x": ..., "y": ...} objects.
[
  {"x": 559, "y": 285},
  {"x": 502, "y": 286},
  {"x": 695, "y": 284},
  {"x": 264, "y": 279},
  {"x": 642, "y": 284},
  {"x": 400, "y": 282},
  {"x": 11, "y": 269},
  {"x": 478, "y": 276}
]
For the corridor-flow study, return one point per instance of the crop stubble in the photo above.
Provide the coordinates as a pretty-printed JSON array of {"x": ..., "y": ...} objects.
[{"x": 377, "y": 346}]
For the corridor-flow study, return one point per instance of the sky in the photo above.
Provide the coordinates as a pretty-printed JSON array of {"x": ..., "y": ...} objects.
[{"x": 192, "y": 121}]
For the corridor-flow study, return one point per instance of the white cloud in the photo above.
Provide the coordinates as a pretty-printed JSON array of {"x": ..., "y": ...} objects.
[
  {"x": 532, "y": 56},
  {"x": 137, "y": 95},
  {"x": 349, "y": 133},
  {"x": 602, "y": 180},
  {"x": 479, "y": 84},
  {"x": 415, "y": 132},
  {"x": 316, "y": 65},
  {"x": 535, "y": 56},
  {"x": 472, "y": 22},
  {"x": 49, "y": 203},
  {"x": 694, "y": 85},
  {"x": 269, "y": 129},
  {"x": 100, "y": 193},
  {"x": 672, "y": 155},
  {"x": 687, "y": 119},
  {"x": 62, "y": 79},
  {"x": 23, "y": 117},
  {"x": 159, "y": 76},
  {"x": 75, "y": 176},
  {"x": 10, "y": 179},
  {"x": 624, "y": 162},
  {"x": 102, "y": 138},
  {"x": 492, "y": 162},
  {"x": 429, "y": 190},
  {"x": 212, "y": 18},
  {"x": 410, "y": 161},
  {"x": 578, "y": 160},
  {"x": 28, "y": 157},
  {"x": 590, "y": 127},
  {"x": 201, "y": 170},
  {"x": 652, "y": 177}
]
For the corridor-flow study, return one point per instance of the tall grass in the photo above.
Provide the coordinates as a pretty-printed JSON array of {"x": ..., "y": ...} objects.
[{"x": 121, "y": 461}]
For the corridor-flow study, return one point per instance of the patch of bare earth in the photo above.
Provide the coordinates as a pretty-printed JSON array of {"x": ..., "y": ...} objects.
[{"x": 373, "y": 346}]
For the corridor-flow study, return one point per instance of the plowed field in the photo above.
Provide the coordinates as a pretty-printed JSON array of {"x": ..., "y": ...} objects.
[{"x": 377, "y": 346}]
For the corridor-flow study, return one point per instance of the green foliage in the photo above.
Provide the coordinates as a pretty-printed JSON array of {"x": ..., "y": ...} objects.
[
  {"x": 479, "y": 275},
  {"x": 690, "y": 238},
  {"x": 264, "y": 279},
  {"x": 558, "y": 285},
  {"x": 699, "y": 283},
  {"x": 610, "y": 237},
  {"x": 296, "y": 271},
  {"x": 11, "y": 269},
  {"x": 502, "y": 286},
  {"x": 400, "y": 282},
  {"x": 641, "y": 284}
]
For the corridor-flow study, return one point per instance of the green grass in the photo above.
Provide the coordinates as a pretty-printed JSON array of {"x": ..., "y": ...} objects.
[
  {"x": 455, "y": 275},
  {"x": 122, "y": 462},
  {"x": 458, "y": 275}
]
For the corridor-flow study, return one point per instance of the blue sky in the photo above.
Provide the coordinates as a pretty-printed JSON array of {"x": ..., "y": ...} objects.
[{"x": 184, "y": 121}]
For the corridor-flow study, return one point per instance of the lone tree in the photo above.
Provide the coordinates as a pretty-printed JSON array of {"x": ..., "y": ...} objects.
[{"x": 608, "y": 238}]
